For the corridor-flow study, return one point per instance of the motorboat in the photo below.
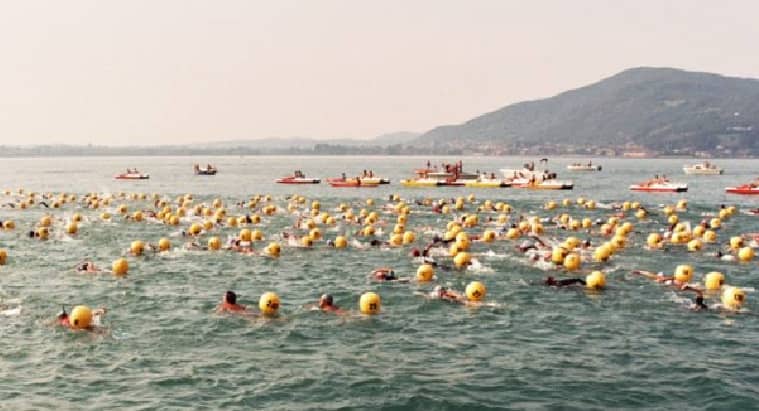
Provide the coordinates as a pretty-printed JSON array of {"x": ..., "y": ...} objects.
[
  {"x": 297, "y": 178},
  {"x": 529, "y": 172},
  {"x": 485, "y": 181},
  {"x": 132, "y": 175},
  {"x": 660, "y": 185},
  {"x": 705, "y": 168},
  {"x": 357, "y": 182},
  {"x": 547, "y": 184},
  {"x": 449, "y": 175},
  {"x": 209, "y": 170},
  {"x": 584, "y": 167},
  {"x": 746, "y": 189}
]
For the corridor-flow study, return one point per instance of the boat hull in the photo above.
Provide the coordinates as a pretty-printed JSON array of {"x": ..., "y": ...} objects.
[
  {"x": 290, "y": 180},
  {"x": 351, "y": 183},
  {"x": 131, "y": 177},
  {"x": 206, "y": 173},
  {"x": 584, "y": 168},
  {"x": 677, "y": 189},
  {"x": 742, "y": 190}
]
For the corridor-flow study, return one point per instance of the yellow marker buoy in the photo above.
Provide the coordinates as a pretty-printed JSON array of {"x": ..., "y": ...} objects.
[
  {"x": 425, "y": 272},
  {"x": 595, "y": 280},
  {"x": 710, "y": 236},
  {"x": 714, "y": 280},
  {"x": 558, "y": 254},
  {"x": 269, "y": 303},
  {"x": 488, "y": 236},
  {"x": 462, "y": 259},
  {"x": 683, "y": 273},
  {"x": 214, "y": 243},
  {"x": 475, "y": 291},
  {"x": 72, "y": 228},
  {"x": 512, "y": 234},
  {"x": 306, "y": 241},
  {"x": 137, "y": 248},
  {"x": 732, "y": 298},
  {"x": 694, "y": 245},
  {"x": 273, "y": 249},
  {"x": 736, "y": 242},
  {"x": 46, "y": 221},
  {"x": 746, "y": 254},
  {"x": 9, "y": 225},
  {"x": 164, "y": 244},
  {"x": 715, "y": 223},
  {"x": 572, "y": 261},
  {"x": 3, "y": 256},
  {"x": 246, "y": 235},
  {"x": 120, "y": 266},
  {"x": 409, "y": 237},
  {"x": 602, "y": 253},
  {"x": 341, "y": 242},
  {"x": 370, "y": 303},
  {"x": 80, "y": 317}
]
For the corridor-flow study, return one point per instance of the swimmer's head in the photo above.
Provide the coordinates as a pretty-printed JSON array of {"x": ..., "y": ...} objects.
[
  {"x": 330, "y": 243},
  {"x": 326, "y": 300},
  {"x": 375, "y": 242},
  {"x": 439, "y": 290},
  {"x": 700, "y": 301},
  {"x": 415, "y": 252},
  {"x": 230, "y": 297},
  {"x": 550, "y": 281},
  {"x": 63, "y": 314}
]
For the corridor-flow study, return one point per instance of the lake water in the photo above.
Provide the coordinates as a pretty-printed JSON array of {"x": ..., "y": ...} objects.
[{"x": 633, "y": 345}]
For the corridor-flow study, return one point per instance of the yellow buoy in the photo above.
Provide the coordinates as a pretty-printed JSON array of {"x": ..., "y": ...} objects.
[
  {"x": 315, "y": 234},
  {"x": 683, "y": 273},
  {"x": 273, "y": 249},
  {"x": 572, "y": 261},
  {"x": 714, "y": 280},
  {"x": 341, "y": 242},
  {"x": 164, "y": 244},
  {"x": 369, "y": 303},
  {"x": 595, "y": 280},
  {"x": 80, "y": 317},
  {"x": 72, "y": 228},
  {"x": 715, "y": 223},
  {"x": 558, "y": 254},
  {"x": 246, "y": 235},
  {"x": 137, "y": 248},
  {"x": 746, "y": 254},
  {"x": 475, "y": 291},
  {"x": 9, "y": 225},
  {"x": 425, "y": 272},
  {"x": 306, "y": 241},
  {"x": 736, "y": 242},
  {"x": 46, "y": 221},
  {"x": 214, "y": 243},
  {"x": 602, "y": 253},
  {"x": 77, "y": 218},
  {"x": 488, "y": 236},
  {"x": 120, "y": 266},
  {"x": 409, "y": 237},
  {"x": 195, "y": 229},
  {"x": 512, "y": 234},
  {"x": 641, "y": 214},
  {"x": 732, "y": 298},
  {"x": 694, "y": 245},
  {"x": 710, "y": 236},
  {"x": 269, "y": 303},
  {"x": 462, "y": 259},
  {"x": 3, "y": 256}
]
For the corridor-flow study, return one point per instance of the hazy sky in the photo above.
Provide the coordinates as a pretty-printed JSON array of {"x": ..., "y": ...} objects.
[{"x": 144, "y": 72}]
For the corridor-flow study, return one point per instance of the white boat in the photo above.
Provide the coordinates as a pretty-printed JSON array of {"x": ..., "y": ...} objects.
[
  {"x": 705, "y": 168},
  {"x": 546, "y": 184},
  {"x": 584, "y": 167},
  {"x": 529, "y": 172},
  {"x": 660, "y": 185},
  {"x": 132, "y": 175}
]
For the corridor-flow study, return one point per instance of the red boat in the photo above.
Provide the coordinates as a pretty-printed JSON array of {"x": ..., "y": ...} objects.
[
  {"x": 351, "y": 182},
  {"x": 751, "y": 188},
  {"x": 297, "y": 178}
]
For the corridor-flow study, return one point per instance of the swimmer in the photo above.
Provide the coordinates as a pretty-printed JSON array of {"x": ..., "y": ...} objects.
[
  {"x": 326, "y": 304},
  {"x": 64, "y": 320},
  {"x": 550, "y": 281},
  {"x": 698, "y": 302},
  {"x": 229, "y": 304},
  {"x": 387, "y": 274},
  {"x": 87, "y": 267},
  {"x": 443, "y": 293},
  {"x": 660, "y": 278}
]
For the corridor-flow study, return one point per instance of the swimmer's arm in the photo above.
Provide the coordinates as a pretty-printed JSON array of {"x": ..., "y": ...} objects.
[{"x": 648, "y": 274}]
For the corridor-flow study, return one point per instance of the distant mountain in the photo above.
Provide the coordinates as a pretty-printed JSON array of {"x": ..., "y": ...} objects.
[
  {"x": 400, "y": 137},
  {"x": 662, "y": 109}
]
